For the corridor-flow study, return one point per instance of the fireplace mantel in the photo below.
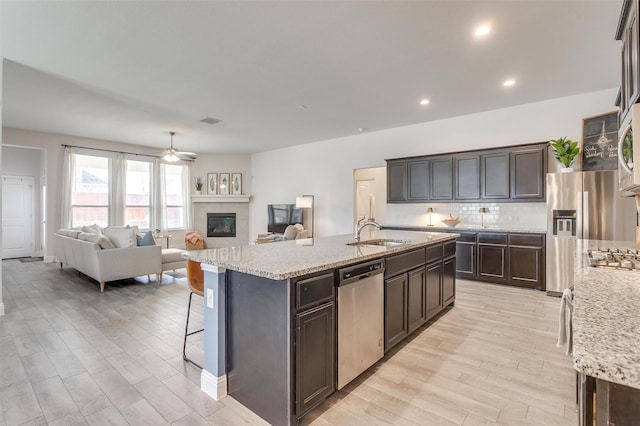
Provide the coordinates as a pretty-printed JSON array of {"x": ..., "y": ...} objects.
[{"x": 220, "y": 198}]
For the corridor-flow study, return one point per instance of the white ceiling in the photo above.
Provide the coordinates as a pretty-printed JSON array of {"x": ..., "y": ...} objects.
[{"x": 133, "y": 71}]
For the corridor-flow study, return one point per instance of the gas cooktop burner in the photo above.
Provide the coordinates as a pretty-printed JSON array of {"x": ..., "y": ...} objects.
[{"x": 615, "y": 259}]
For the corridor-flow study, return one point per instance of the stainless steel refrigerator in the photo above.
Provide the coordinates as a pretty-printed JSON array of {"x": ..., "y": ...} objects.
[{"x": 583, "y": 205}]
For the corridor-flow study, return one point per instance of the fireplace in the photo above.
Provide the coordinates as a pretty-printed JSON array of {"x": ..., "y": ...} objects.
[{"x": 221, "y": 224}]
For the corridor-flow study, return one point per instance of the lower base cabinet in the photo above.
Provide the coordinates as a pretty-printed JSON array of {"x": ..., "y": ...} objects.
[
  {"x": 395, "y": 310},
  {"x": 449, "y": 281},
  {"x": 434, "y": 286},
  {"x": 416, "y": 311},
  {"x": 315, "y": 357}
]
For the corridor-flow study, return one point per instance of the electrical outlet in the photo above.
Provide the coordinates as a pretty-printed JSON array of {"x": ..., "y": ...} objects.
[{"x": 210, "y": 298}]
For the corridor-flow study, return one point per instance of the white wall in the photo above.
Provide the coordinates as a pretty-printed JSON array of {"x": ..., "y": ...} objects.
[
  {"x": 1, "y": 63},
  {"x": 27, "y": 162},
  {"x": 223, "y": 163},
  {"x": 325, "y": 169}
]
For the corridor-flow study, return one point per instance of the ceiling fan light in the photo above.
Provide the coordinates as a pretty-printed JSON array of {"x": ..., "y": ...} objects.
[{"x": 170, "y": 157}]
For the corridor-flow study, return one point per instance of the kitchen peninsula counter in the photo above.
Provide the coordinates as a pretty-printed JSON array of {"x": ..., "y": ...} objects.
[
  {"x": 289, "y": 259},
  {"x": 271, "y": 322},
  {"x": 606, "y": 322}
]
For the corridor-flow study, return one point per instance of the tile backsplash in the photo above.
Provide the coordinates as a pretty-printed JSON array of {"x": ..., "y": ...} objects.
[{"x": 530, "y": 216}]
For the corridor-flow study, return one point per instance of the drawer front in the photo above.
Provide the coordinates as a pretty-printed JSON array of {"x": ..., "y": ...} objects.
[
  {"x": 434, "y": 253},
  {"x": 492, "y": 238},
  {"x": 467, "y": 237},
  {"x": 449, "y": 249},
  {"x": 535, "y": 240},
  {"x": 403, "y": 262},
  {"x": 314, "y": 291}
]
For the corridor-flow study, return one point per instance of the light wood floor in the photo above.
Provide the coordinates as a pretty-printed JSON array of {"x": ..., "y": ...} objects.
[{"x": 70, "y": 356}]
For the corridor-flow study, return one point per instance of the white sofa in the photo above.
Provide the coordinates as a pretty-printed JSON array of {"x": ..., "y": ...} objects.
[{"x": 107, "y": 264}]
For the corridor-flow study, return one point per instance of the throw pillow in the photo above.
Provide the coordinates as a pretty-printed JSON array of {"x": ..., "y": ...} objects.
[
  {"x": 92, "y": 229},
  {"x": 101, "y": 240},
  {"x": 146, "y": 240},
  {"x": 290, "y": 232},
  {"x": 121, "y": 237}
]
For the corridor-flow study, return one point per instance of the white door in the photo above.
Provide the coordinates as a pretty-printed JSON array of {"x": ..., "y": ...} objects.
[
  {"x": 17, "y": 217},
  {"x": 369, "y": 194}
]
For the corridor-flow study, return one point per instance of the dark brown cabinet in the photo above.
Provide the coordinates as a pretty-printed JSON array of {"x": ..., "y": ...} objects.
[
  {"x": 315, "y": 351},
  {"x": 395, "y": 310},
  {"x": 495, "y": 175},
  {"x": 448, "y": 281},
  {"x": 418, "y": 180},
  {"x": 526, "y": 260},
  {"x": 627, "y": 32},
  {"x": 467, "y": 177},
  {"x": 441, "y": 178},
  {"x": 434, "y": 288},
  {"x": 315, "y": 342},
  {"x": 528, "y": 173},
  {"x": 492, "y": 256},
  {"x": 396, "y": 181},
  {"x": 502, "y": 258},
  {"x": 416, "y": 312},
  {"x": 501, "y": 174}
]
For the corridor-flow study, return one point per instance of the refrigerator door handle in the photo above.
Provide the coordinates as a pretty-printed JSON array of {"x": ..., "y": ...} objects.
[
  {"x": 579, "y": 212},
  {"x": 585, "y": 215}
]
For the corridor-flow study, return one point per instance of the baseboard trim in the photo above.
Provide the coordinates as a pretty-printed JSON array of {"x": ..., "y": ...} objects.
[
  {"x": 215, "y": 387},
  {"x": 49, "y": 259}
]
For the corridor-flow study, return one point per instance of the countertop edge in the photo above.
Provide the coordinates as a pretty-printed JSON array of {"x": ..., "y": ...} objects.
[{"x": 193, "y": 255}]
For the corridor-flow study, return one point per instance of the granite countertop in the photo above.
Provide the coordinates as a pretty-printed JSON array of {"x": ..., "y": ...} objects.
[
  {"x": 288, "y": 259},
  {"x": 463, "y": 227},
  {"x": 606, "y": 318}
]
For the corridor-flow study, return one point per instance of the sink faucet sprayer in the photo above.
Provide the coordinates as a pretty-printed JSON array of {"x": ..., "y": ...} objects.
[{"x": 360, "y": 225}]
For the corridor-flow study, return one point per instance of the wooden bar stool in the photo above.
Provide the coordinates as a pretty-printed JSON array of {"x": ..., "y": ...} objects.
[{"x": 195, "y": 278}]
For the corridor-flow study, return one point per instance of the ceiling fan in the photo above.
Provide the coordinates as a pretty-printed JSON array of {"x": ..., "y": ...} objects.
[{"x": 171, "y": 154}]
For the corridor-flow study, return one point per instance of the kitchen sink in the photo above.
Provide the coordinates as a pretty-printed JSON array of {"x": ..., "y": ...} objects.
[{"x": 379, "y": 243}]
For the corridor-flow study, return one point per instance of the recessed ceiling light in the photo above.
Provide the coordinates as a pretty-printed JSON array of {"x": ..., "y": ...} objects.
[
  {"x": 509, "y": 83},
  {"x": 362, "y": 129},
  {"x": 302, "y": 106},
  {"x": 425, "y": 102},
  {"x": 482, "y": 30}
]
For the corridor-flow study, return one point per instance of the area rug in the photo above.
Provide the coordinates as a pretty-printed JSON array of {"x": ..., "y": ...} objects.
[{"x": 30, "y": 259}]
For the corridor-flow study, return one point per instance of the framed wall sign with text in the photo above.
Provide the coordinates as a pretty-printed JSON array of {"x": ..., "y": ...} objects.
[{"x": 600, "y": 142}]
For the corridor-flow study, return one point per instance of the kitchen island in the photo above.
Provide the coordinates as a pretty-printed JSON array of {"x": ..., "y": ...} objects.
[
  {"x": 606, "y": 338},
  {"x": 270, "y": 312}
]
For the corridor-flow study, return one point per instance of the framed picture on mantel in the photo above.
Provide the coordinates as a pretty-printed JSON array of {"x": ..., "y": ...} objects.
[
  {"x": 236, "y": 183},
  {"x": 600, "y": 142},
  {"x": 224, "y": 184},
  {"x": 212, "y": 183}
]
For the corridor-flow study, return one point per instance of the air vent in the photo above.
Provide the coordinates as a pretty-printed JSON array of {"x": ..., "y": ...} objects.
[{"x": 210, "y": 120}]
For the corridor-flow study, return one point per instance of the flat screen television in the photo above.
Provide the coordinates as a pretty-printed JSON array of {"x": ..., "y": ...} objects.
[{"x": 279, "y": 216}]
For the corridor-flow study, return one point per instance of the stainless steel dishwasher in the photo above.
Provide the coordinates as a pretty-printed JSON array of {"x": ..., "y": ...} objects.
[{"x": 360, "y": 319}]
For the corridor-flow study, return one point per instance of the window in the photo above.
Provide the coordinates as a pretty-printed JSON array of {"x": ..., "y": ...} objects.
[
  {"x": 175, "y": 196},
  {"x": 138, "y": 194},
  {"x": 90, "y": 191}
]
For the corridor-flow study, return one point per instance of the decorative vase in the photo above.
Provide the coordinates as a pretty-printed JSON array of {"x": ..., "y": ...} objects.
[
  {"x": 198, "y": 192},
  {"x": 566, "y": 170}
]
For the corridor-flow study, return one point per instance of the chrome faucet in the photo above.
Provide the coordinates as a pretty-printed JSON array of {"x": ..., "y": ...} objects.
[{"x": 359, "y": 226}]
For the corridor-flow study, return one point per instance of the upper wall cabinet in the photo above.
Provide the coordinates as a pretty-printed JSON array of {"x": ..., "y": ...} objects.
[
  {"x": 628, "y": 32},
  {"x": 528, "y": 173},
  {"x": 396, "y": 181},
  {"x": 501, "y": 175},
  {"x": 467, "y": 177},
  {"x": 441, "y": 176},
  {"x": 418, "y": 180},
  {"x": 495, "y": 175}
]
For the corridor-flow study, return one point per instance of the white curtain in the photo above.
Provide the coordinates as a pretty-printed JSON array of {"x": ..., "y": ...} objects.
[
  {"x": 186, "y": 192},
  {"x": 119, "y": 193},
  {"x": 159, "y": 216},
  {"x": 68, "y": 168}
]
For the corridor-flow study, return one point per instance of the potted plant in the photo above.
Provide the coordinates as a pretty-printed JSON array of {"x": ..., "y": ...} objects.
[
  {"x": 199, "y": 185},
  {"x": 565, "y": 152}
]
